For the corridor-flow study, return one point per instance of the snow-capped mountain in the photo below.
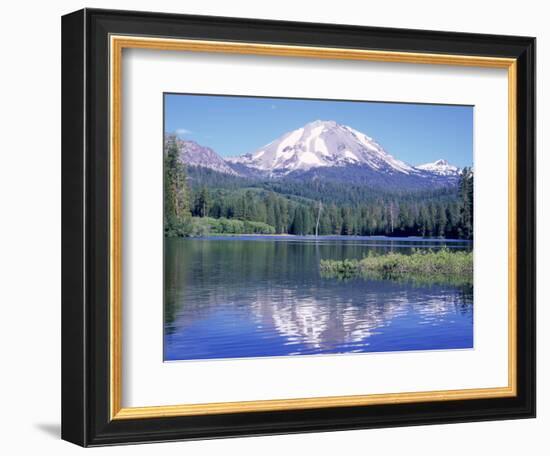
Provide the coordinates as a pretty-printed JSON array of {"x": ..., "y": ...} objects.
[
  {"x": 193, "y": 154},
  {"x": 322, "y": 144},
  {"x": 440, "y": 167},
  {"x": 324, "y": 150}
]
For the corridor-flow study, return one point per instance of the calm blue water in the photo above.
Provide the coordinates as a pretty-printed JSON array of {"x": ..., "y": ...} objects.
[{"x": 252, "y": 296}]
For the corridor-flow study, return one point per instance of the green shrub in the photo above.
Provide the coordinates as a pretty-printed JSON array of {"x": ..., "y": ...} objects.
[{"x": 204, "y": 226}]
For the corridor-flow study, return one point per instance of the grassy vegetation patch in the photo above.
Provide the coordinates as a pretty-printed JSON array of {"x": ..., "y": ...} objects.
[{"x": 428, "y": 266}]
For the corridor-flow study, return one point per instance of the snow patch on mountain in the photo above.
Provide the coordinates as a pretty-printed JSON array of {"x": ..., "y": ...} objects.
[{"x": 440, "y": 167}]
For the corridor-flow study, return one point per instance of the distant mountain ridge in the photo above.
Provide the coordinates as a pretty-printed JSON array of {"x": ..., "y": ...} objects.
[
  {"x": 193, "y": 154},
  {"x": 324, "y": 150}
]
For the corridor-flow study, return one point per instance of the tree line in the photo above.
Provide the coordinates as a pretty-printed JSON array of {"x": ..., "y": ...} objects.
[{"x": 206, "y": 202}]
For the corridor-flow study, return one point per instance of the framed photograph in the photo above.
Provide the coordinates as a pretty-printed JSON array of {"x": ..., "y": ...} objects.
[{"x": 279, "y": 227}]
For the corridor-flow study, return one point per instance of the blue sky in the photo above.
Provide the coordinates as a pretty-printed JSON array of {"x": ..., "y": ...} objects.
[{"x": 414, "y": 133}]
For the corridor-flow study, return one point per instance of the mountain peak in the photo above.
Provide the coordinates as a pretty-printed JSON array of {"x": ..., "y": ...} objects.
[
  {"x": 318, "y": 144},
  {"x": 318, "y": 123},
  {"x": 441, "y": 167}
]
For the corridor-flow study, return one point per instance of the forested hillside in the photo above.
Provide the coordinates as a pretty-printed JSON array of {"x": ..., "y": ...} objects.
[{"x": 200, "y": 201}]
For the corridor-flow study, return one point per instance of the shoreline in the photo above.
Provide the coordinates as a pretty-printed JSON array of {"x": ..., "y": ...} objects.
[{"x": 324, "y": 237}]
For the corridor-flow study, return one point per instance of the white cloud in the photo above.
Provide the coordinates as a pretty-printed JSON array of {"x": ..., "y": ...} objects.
[{"x": 182, "y": 131}]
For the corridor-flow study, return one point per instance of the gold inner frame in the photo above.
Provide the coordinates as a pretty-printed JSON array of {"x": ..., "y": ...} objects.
[{"x": 117, "y": 44}]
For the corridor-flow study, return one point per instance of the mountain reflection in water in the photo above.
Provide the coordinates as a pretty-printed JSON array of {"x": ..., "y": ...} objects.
[{"x": 250, "y": 297}]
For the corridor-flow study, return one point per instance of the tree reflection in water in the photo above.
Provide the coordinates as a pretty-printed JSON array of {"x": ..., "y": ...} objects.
[{"x": 240, "y": 298}]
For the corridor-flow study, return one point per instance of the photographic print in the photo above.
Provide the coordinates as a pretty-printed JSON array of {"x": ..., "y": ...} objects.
[
  {"x": 312, "y": 227},
  {"x": 245, "y": 196}
]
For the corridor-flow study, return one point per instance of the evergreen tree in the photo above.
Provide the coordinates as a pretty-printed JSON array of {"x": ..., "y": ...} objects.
[
  {"x": 282, "y": 216},
  {"x": 176, "y": 193},
  {"x": 466, "y": 192},
  {"x": 271, "y": 209},
  {"x": 307, "y": 218},
  {"x": 202, "y": 204},
  {"x": 441, "y": 222},
  {"x": 298, "y": 223},
  {"x": 347, "y": 222}
]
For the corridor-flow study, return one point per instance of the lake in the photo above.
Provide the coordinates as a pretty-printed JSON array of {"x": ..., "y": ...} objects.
[{"x": 251, "y": 296}]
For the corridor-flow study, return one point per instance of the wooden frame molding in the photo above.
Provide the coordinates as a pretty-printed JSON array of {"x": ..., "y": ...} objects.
[{"x": 116, "y": 46}]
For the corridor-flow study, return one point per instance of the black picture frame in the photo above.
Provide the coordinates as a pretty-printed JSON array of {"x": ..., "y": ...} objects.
[{"x": 85, "y": 225}]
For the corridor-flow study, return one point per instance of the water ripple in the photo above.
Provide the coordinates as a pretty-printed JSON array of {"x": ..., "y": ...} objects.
[{"x": 234, "y": 299}]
